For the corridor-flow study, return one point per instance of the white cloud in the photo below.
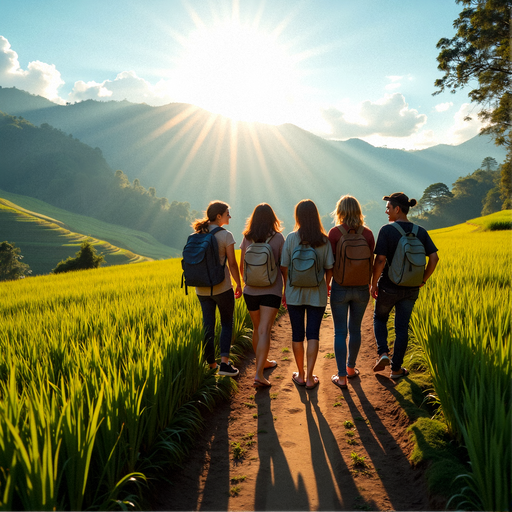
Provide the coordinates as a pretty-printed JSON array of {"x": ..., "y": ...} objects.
[
  {"x": 39, "y": 78},
  {"x": 442, "y": 107},
  {"x": 387, "y": 117},
  {"x": 394, "y": 78},
  {"x": 463, "y": 130},
  {"x": 127, "y": 85}
]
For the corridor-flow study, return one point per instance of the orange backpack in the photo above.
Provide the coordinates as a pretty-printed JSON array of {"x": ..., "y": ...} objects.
[{"x": 353, "y": 265}]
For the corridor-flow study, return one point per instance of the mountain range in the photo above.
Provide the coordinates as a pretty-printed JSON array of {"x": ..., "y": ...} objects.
[{"x": 191, "y": 155}]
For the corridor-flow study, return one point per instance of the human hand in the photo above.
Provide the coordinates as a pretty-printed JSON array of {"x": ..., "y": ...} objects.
[
  {"x": 374, "y": 291},
  {"x": 283, "y": 301},
  {"x": 238, "y": 291}
]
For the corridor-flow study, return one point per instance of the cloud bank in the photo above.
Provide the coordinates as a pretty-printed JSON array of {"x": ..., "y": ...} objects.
[{"x": 387, "y": 117}]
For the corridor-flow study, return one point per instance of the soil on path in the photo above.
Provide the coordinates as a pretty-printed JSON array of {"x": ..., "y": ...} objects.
[{"x": 297, "y": 453}]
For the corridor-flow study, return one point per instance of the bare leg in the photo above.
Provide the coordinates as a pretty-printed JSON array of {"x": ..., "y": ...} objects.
[
  {"x": 298, "y": 353},
  {"x": 312, "y": 353},
  {"x": 267, "y": 317}
]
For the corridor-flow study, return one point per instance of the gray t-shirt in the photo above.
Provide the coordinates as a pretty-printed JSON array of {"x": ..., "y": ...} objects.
[
  {"x": 276, "y": 242},
  {"x": 311, "y": 296},
  {"x": 224, "y": 239}
]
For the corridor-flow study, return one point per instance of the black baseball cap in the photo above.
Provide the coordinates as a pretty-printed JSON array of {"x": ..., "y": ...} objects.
[{"x": 399, "y": 198}]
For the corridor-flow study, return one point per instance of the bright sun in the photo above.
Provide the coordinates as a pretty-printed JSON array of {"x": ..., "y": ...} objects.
[{"x": 240, "y": 72}]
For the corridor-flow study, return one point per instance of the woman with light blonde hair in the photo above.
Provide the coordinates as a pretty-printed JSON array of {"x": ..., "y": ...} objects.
[{"x": 350, "y": 290}]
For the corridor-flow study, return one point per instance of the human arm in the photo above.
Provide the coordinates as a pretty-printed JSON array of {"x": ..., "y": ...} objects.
[
  {"x": 433, "y": 260},
  {"x": 233, "y": 269},
  {"x": 242, "y": 257},
  {"x": 328, "y": 278},
  {"x": 378, "y": 267}
]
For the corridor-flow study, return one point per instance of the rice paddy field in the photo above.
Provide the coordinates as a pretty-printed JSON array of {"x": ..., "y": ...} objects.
[
  {"x": 101, "y": 384},
  {"x": 102, "y": 380},
  {"x": 463, "y": 322}
]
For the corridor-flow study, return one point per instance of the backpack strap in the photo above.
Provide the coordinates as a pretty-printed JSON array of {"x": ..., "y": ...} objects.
[
  {"x": 399, "y": 228},
  {"x": 216, "y": 230},
  {"x": 360, "y": 230},
  {"x": 415, "y": 229},
  {"x": 343, "y": 230}
]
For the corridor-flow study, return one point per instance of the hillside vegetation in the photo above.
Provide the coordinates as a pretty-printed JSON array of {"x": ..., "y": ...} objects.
[
  {"x": 138, "y": 242},
  {"x": 194, "y": 156},
  {"x": 46, "y": 164},
  {"x": 44, "y": 242}
]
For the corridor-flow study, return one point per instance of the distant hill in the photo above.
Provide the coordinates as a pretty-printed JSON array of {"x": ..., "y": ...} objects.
[
  {"x": 44, "y": 241},
  {"x": 137, "y": 242},
  {"x": 45, "y": 163},
  {"x": 191, "y": 155}
]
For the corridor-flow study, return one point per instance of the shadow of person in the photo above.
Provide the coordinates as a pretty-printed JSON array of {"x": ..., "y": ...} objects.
[
  {"x": 337, "y": 489},
  {"x": 275, "y": 488},
  {"x": 387, "y": 457}
]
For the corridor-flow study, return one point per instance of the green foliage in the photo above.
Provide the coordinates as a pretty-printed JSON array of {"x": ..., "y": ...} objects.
[
  {"x": 85, "y": 259},
  {"x": 11, "y": 266},
  {"x": 46, "y": 164},
  {"x": 495, "y": 222},
  {"x": 464, "y": 326},
  {"x": 102, "y": 385},
  {"x": 480, "y": 51},
  {"x": 469, "y": 196}
]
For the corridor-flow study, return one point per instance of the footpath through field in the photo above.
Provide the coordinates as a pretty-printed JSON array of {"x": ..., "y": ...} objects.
[{"x": 297, "y": 452}]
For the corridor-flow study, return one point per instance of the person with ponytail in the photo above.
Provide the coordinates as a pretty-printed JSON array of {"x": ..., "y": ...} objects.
[
  {"x": 263, "y": 301},
  {"x": 306, "y": 301},
  {"x": 389, "y": 295},
  {"x": 221, "y": 296}
]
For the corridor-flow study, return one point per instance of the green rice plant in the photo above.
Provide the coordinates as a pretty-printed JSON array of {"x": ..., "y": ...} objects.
[
  {"x": 102, "y": 382},
  {"x": 463, "y": 323}
]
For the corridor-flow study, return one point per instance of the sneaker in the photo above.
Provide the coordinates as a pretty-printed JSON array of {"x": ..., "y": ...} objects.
[{"x": 228, "y": 369}]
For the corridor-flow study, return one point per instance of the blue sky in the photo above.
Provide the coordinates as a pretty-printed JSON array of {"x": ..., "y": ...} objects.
[{"x": 338, "y": 68}]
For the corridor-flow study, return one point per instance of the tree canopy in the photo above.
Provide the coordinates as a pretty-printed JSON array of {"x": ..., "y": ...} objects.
[
  {"x": 11, "y": 266},
  {"x": 480, "y": 51},
  {"x": 85, "y": 258}
]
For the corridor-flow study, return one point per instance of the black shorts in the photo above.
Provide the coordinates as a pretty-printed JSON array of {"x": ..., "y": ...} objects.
[{"x": 255, "y": 301}]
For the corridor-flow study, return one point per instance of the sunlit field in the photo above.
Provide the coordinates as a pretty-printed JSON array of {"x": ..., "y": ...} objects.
[
  {"x": 462, "y": 321},
  {"x": 101, "y": 383}
]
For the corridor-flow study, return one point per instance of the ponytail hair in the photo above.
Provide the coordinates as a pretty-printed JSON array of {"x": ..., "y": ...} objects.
[{"x": 210, "y": 215}]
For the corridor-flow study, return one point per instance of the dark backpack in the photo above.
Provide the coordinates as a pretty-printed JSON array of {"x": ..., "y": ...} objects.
[
  {"x": 305, "y": 268},
  {"x": 353, "y": 266},
  {"x": 260, "y": 267},
  {"x": 409, "y": 261},
  {"x": 201, "y": 262}
]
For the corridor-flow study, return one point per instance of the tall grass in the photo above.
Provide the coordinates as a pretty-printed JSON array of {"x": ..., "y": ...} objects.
[
  {"x": 463, "y": 322},
  {"x": 102, "y": 381}
]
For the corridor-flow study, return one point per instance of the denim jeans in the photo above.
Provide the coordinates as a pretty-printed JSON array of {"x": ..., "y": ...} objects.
[
  {"x": 351, "y": 302},
  {"x": 226, "y": 304},
  {"x": 315, "y": 315},
  {"x": 403, "y": 301}
]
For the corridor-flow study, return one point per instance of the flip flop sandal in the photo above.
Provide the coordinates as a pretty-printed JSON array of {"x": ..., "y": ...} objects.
[
  {"x": 381, "y": 364},
  {"x": 335, "y": 379},
  {"x": 296, "y": 380},
  {"x": 353, "y": 376},
  {"x": 259, "y": 384},
  {"x": 317, "y": 381},
  {"x": 397, "y": 376},
  {"x": 274, "y": 364}
]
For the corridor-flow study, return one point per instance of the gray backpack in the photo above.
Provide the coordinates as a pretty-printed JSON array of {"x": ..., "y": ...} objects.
[
  {"x": 409, "y": 260},
  {"x": 305, "y": 268},
  {"x": 260, "y": 267}
]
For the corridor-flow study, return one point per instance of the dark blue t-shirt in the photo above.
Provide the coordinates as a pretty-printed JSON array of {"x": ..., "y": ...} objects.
[{"x": 387, "y": 242}]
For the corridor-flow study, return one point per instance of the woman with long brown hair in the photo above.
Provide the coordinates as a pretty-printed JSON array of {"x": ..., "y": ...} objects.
[
  {"x": 221, "y": 295},
  {"x": 349, "y": 298},
  {"x": 307, "y": 260},
  {"x": 262, "y": 294}
]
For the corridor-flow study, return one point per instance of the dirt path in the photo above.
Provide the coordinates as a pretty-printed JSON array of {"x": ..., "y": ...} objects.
[{"x": 295, "y": 441}]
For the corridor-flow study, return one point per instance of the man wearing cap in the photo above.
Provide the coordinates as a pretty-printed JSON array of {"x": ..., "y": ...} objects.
[{"x": 389, "y": 294}]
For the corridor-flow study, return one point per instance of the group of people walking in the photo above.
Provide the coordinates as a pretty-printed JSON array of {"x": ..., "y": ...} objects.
[{"x": 306, "y": 269}]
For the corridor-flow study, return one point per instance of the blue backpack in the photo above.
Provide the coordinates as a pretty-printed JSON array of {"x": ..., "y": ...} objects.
[{"x": 201, "y": 263}]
